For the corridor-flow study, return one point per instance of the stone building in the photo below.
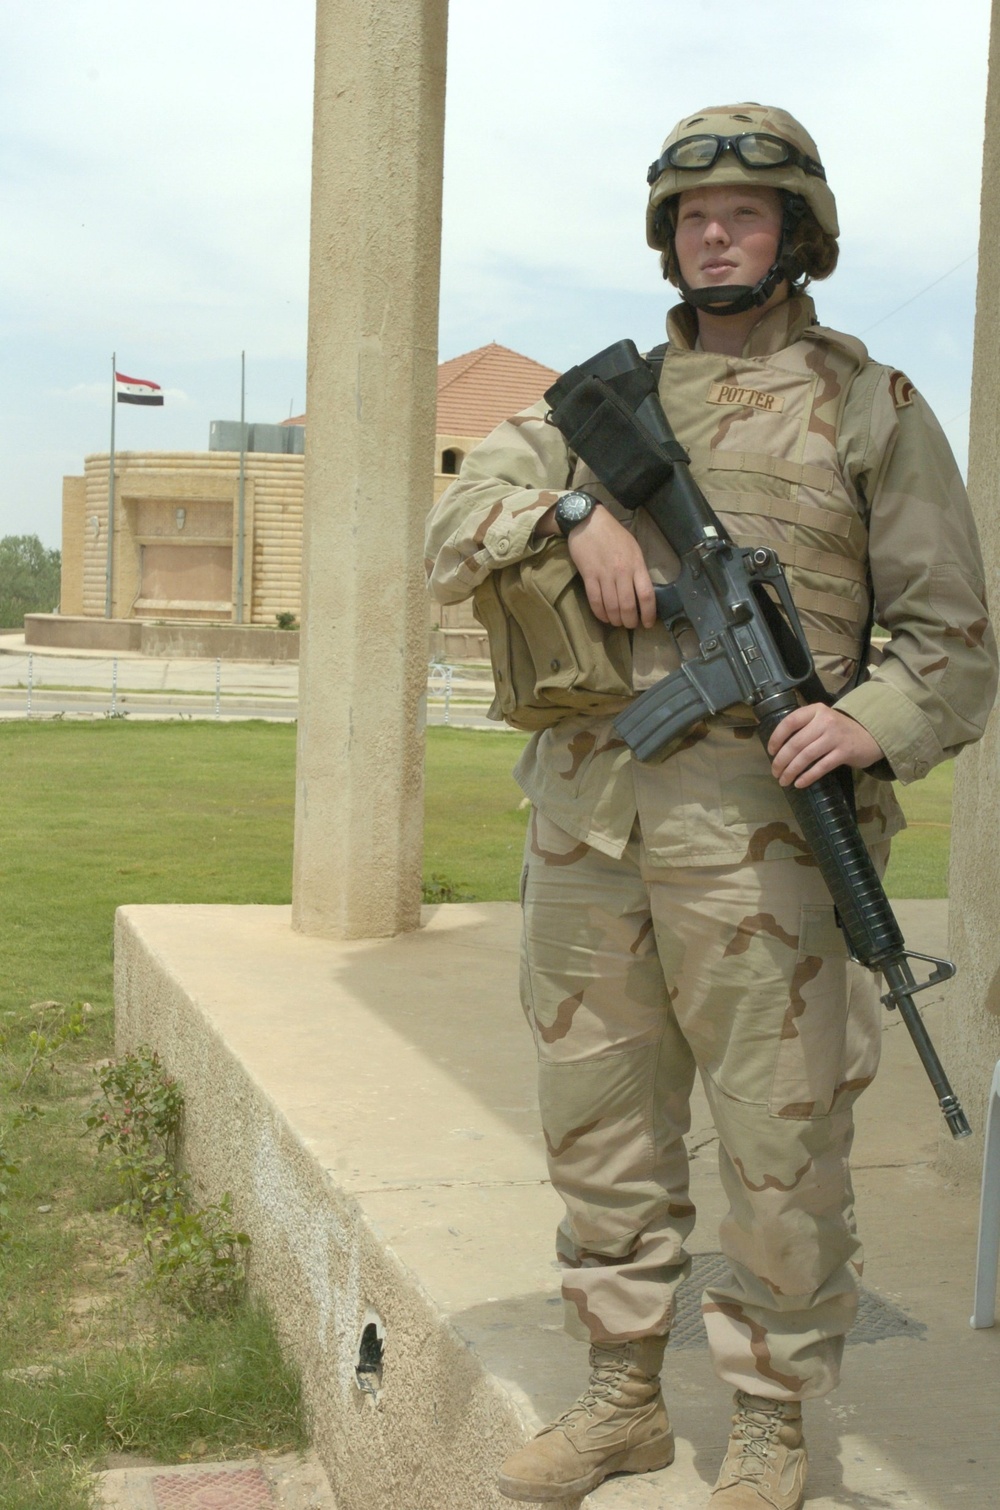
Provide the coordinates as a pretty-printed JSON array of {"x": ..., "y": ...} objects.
[{"x": 177, "y": 532}]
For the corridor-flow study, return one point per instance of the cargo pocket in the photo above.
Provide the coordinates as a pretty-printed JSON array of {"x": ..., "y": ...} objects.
[
  {"x": 488, "y": 609},
  {"x": 811, "y": 1063}
]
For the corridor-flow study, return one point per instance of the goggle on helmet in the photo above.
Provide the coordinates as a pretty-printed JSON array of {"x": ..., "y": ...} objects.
[{"x": 739, "y": 144}]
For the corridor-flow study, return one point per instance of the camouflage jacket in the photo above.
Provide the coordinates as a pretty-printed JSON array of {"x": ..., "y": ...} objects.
[{"x": 802, "y": 443}]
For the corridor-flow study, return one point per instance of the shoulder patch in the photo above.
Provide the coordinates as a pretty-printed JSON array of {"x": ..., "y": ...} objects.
[{"x": 901, "y": 390}]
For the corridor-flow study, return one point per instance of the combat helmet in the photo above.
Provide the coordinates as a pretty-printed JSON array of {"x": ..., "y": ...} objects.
[{"x": 759, "y": 146}]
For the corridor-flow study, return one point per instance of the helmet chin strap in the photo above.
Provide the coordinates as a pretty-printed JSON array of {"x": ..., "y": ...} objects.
[{"x": 732, "y": 298}]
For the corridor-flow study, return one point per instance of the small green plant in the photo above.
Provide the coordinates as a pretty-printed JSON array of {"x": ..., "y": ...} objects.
[
  {"x": 440, "y": 889},
  {"x": 197, "y": 1258},
  {"x": 286, "y": 620},
  {"x": 60, "y": 1026},
  {"x": 24, "y": 1054},
  {"x": 137, "y": 1119}
]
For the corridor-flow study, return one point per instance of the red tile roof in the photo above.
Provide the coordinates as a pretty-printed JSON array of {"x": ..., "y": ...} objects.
[{"x": 479, "y": 389}]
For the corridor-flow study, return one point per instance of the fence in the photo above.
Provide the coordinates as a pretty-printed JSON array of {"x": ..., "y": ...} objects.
[
  {"x": 37, "y": 686},
  {"x": 48, "y": 686}
]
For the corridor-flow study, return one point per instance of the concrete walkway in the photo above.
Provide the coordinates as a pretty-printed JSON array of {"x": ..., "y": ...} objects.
[{"x": 371, "y": 1107}]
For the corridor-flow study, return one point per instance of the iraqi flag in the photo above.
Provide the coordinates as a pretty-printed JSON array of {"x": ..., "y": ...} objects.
[{"x": 129, "y": 390}]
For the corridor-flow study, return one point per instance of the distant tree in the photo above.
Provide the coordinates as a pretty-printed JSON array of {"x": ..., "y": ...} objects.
[{"x": 29, "y": 579}]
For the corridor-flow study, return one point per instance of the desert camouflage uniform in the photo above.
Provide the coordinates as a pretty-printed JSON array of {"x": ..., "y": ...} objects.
[{"x": 674, "y": 919}]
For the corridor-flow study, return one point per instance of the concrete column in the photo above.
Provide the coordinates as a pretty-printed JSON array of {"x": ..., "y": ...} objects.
[
  {"x": 970, "y": 1040},
  {"x": 373, "y": 297}
]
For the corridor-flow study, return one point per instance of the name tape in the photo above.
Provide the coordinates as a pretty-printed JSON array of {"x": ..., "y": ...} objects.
[{"x": 731, "y": 393}]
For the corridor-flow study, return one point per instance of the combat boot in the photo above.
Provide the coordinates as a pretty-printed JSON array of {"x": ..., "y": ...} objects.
[
  {"x": 618, "y": 1425},
  {"x": 765, "y": 1465}
]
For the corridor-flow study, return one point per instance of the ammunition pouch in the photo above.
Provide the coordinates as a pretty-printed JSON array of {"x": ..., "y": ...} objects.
[{"x": 552, "y": 659}]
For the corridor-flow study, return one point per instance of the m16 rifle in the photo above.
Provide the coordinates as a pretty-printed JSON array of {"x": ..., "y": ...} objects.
[{"x": 751, "y": 650}]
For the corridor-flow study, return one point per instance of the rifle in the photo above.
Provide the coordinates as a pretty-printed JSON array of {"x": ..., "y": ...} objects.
[{"x": 752, "y": 650}]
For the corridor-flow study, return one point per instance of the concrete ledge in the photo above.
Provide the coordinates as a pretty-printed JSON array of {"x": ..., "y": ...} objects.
[
  {"x": 460, "y": 645},
  {"x": 370, "y": 1105},
  {"x": 65, "y": 632},
  {"x": 327, "y": 1092},
  {"x": 184, "y": 639}
]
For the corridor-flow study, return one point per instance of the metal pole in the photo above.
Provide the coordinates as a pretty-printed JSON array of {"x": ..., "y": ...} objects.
[
  {"x": 438, "y": 672},
  {"x": 114, "y": 686},
  {"x": 111, "y": 499},
  {"x": 31, "y": 668},
  {"x": 218, "y": 684},
  {"x": 240, "y": 515}
]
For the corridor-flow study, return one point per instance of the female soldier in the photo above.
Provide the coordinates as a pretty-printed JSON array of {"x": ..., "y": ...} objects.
[{"x": 674, "y": 918}]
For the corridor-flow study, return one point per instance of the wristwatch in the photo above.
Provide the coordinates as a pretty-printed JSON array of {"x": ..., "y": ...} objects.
[{"x": 572, "y": 509}]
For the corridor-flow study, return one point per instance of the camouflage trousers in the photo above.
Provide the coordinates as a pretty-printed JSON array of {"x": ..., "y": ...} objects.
[{"x": 633, "y": 979}]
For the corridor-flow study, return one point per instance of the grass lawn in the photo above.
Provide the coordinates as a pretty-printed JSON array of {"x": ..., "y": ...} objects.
[
  {"x": 99, "y": 814},
  {"x": 474, "y": 823},
  {"x": 919, "y": 863},
  {"x": 93, "y": 815}
]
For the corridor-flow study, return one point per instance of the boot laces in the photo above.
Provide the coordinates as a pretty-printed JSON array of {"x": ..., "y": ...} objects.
[
  {"x": 602, "y": 1389},
  {"x": 756, "y": 1431}
]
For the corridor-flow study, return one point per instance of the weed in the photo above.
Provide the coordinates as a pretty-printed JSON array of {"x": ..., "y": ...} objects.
[
  {"x": 197, "y": 1258},
  {"x": 24, "y": 1054},
  {"x": 138, "y": 1118},
  {"x": 440, "y": 889},
  {"x": 45, "y": 1043}
]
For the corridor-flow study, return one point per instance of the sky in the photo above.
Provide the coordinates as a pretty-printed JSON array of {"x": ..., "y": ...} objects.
[{"x": 154, "y": 167}]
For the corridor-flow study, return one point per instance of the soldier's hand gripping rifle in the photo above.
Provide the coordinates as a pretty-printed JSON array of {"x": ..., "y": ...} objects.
[{"x": 752, "y": 650}]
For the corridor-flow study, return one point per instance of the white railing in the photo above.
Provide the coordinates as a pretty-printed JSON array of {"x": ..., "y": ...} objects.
[{"x": 34, "y": 685}]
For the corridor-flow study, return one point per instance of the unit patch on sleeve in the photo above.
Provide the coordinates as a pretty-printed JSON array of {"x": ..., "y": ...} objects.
[
  {"x": 901, "y": 390},
  {"x": 732, "y": 393}
]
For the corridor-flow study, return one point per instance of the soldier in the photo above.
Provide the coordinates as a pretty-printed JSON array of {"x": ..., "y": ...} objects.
[{"x": 674, "y": 919}]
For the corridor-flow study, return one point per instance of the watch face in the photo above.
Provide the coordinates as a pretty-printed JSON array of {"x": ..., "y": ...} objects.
[{"x": 573, "y": 508}]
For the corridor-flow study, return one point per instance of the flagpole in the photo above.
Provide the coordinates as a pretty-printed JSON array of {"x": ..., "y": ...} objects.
[
  {"x": 240, "y": 515},
  {"x": 111, "y": 498}
]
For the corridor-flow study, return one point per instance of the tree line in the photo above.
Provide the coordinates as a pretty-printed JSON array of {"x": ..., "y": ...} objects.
[{"x": 29, "y": 579}]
